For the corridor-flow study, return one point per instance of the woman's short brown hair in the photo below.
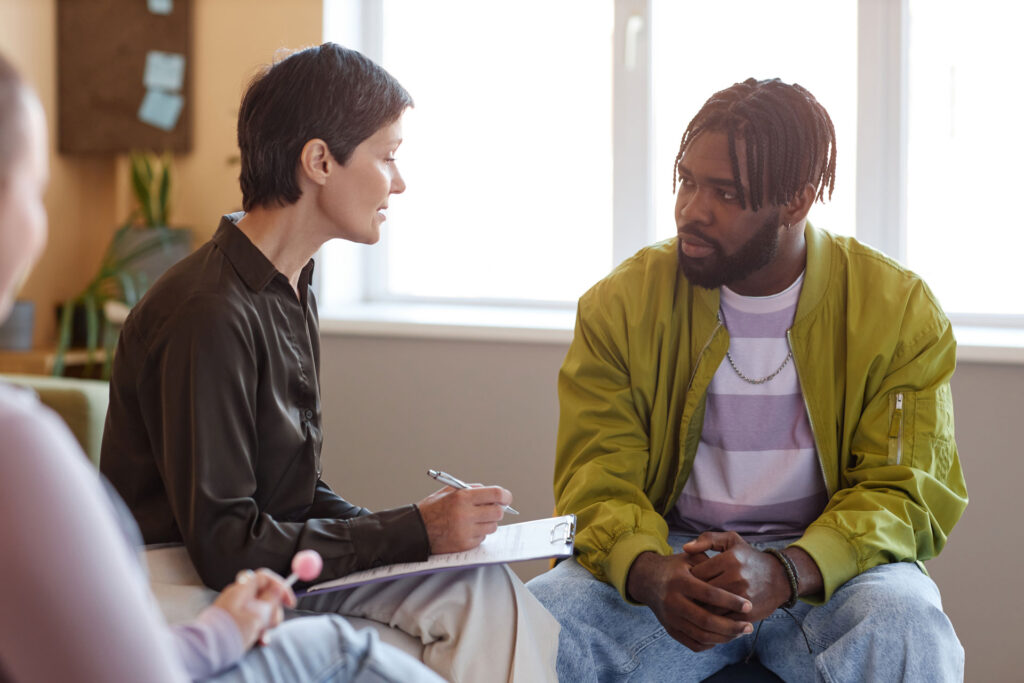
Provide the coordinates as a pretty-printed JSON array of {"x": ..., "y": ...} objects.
[{"x": 327, "y": 92}]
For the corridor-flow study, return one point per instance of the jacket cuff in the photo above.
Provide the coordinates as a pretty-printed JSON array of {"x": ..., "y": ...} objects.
[
  {"x": 835, "y": 556},
  {"x": 390, "y": 537},
  {"x": 624, "y": 552}
]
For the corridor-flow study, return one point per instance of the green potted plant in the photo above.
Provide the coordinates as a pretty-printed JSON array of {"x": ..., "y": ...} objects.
[{"x": 138, "y": 253}]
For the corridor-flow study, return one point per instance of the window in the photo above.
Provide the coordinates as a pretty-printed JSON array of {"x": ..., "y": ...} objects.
[
  {"x": 540, "y": 150},
  {"x": 964, "y": 235},
  {"x": 506, "y": 155}
]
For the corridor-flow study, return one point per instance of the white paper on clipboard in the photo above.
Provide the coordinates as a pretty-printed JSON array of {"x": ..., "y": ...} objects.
[{"x": 537, "y": 539}]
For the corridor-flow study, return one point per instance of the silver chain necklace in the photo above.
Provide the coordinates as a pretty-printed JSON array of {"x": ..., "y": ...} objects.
[{"x": 748, "y": 380}]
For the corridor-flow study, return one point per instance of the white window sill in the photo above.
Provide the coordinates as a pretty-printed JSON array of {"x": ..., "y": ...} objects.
[
  {"x": 466, "y": 323},
  {"x": 555, "y": 326}
]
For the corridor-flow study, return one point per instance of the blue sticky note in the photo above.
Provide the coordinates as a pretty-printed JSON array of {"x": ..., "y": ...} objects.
[
  {"x": 164, "y": 70},
  {"x": 160, "y": 6},
  {"x": 161, "y": 109}
]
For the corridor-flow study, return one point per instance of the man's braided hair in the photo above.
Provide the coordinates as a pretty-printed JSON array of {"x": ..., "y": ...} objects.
[{"x": 788, "y": 136}]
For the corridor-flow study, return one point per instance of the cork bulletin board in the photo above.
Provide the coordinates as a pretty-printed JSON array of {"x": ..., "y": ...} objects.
[{"x": 124, "y": 75}]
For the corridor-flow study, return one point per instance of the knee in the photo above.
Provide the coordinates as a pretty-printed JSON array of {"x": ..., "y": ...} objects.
[
  {"x": 895, "y": 600},
  {"x": 563, "y": 591}
]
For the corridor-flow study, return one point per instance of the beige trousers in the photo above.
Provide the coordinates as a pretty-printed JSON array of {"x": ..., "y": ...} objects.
[{"x": 476, "y": 625}]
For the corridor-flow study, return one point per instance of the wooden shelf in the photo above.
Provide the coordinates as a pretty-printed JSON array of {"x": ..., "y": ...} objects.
[{"x": 40, "y": 361}]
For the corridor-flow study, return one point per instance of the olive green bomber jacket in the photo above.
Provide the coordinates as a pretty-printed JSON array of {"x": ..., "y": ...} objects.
[{"x": 873, "y": 352}]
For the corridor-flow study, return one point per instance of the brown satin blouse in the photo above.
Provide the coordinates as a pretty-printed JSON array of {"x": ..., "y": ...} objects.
[{"x": 214, "y": 431}]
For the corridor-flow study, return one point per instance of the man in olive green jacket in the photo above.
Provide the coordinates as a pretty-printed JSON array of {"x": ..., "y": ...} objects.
[{"x": 706, "y": 499}]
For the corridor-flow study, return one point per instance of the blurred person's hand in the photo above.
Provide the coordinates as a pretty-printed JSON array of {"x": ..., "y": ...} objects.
[{"x": 256, "y": 601}]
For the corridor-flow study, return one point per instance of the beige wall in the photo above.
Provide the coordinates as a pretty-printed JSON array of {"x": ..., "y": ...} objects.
[{"x": 88, "y": 197}]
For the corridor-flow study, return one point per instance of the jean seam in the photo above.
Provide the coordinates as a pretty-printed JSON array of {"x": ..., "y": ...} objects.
[{"x": 634, "y": 656}]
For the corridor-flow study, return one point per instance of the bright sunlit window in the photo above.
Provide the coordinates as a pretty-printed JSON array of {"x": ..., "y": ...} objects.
[
  {"x": 964, "y": 153},
  {"x": 540, "y": 150},
  {"x": 507, "y": 153}
]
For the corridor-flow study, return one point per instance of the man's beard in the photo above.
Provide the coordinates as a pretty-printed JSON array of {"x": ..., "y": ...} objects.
[{"x": 718, "y": 269}]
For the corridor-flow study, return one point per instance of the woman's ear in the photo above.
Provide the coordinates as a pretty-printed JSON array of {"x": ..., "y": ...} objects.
[
  {"x": 316, "y": 161},
  {"x": 797, "y": 208}
]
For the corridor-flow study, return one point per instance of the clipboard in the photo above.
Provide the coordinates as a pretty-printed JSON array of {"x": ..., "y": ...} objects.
[{"x": 534, "y": 540}]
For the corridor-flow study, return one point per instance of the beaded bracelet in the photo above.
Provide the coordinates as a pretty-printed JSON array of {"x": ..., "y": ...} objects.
[{"x": 791, "y": 574}]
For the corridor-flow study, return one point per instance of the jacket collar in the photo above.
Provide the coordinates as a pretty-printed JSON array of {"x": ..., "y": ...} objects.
[
  {"x": 817, "y": 271},
  {"x": 252, "y": 266}
]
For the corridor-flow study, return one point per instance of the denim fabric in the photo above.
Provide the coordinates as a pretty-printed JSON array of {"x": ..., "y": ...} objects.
[
  {"x": 322, "y": 649},
  {"x": 886, "y": 624}
]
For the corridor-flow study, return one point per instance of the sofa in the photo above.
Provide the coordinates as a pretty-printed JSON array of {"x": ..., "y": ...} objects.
[{"x": 82, "y": 403}]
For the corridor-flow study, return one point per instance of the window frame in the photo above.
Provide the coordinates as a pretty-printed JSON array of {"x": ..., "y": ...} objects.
[{"x": 881, "y": 171}]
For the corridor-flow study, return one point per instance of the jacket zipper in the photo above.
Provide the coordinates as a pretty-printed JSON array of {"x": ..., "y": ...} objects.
[
  {"x": 896, "y": 427},
  {"x": 810, "y": 420}
]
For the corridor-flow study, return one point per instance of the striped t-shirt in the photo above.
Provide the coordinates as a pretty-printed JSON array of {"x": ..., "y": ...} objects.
[{"x": 756, "y": 471}]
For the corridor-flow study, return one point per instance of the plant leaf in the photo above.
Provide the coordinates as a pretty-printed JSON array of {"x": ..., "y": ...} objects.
[
  {"x": 141, "y": 179},
  {"x": 63, "y": 336},
  {"x": 162, "y": 210},
  {"x": 92, "y": 327}
]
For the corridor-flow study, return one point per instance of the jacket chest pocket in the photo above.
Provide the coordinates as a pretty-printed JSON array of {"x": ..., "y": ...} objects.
[{"x": 900, "y": 414}]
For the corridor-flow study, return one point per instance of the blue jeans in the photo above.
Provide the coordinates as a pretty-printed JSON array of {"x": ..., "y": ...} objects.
[
  {"x": 326, "y": 648},
  {"x": 886, "y": 624}
]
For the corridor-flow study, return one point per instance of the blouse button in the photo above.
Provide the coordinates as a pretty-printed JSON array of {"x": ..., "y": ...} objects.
[{"x": 308, "y": 414}]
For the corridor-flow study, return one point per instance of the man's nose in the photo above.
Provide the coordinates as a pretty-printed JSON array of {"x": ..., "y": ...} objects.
[{"x": 693, "y": 207}]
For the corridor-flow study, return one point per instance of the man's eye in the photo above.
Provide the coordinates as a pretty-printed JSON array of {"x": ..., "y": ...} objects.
[{"x": 728, "y": 195}]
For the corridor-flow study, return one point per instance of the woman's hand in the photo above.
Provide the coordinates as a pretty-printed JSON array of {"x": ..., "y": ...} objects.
[{"x": 256, "y": 602}]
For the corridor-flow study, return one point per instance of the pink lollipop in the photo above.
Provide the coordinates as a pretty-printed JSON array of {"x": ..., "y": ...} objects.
[{"x": 306, "y": 565}]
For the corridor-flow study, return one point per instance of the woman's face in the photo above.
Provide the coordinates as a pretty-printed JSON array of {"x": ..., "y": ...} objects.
[
  {"x": 22, "y": 215},
  {"x": 357, "y": 193}
]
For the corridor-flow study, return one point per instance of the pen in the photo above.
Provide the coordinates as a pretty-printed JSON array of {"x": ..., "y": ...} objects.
[{"x": 448, "y": 479}]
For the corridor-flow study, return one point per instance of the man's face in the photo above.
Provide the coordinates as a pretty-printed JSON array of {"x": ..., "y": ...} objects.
[{"x": 721, "y": 243}]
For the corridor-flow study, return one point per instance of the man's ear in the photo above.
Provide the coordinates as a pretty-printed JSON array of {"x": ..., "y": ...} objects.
[
  {"x": 797, "y": 208},
  {"x": 316, "y": 161}
]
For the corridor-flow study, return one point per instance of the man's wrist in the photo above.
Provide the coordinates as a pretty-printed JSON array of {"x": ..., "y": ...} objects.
[
  {"x": 792, "y": 575},
  {"x": 638, "y": 578},
  {"x": 809, "y": 579}
]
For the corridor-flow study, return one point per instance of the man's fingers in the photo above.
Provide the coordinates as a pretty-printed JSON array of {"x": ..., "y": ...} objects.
[
  {"x": 721, "y": 598},
  {"x": 712, "y": 540},
  {"x": 712, "y": 631}
]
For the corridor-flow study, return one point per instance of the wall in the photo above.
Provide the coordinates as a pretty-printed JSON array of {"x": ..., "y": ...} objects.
[
  {"x": 487, "y": 411},
  {"x": 88, "y": 197}
]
